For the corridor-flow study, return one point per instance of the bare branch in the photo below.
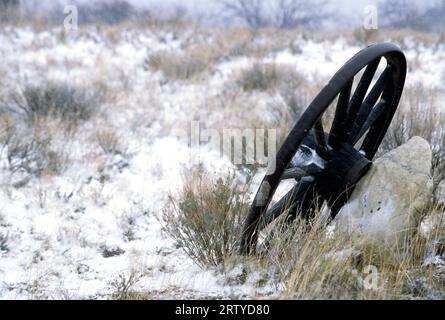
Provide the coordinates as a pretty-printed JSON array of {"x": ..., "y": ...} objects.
[{"x": 282, "y": 14}]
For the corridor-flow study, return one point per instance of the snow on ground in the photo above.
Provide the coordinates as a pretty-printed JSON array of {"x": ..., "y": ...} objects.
[{"x": 72, "y": 235}]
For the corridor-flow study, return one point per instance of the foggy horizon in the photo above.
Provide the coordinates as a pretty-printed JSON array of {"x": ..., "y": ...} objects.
[{"x": 343, "y": 13}]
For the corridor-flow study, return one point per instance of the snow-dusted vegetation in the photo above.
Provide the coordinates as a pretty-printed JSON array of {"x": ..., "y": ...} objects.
[{"x": 99, "y": 197}]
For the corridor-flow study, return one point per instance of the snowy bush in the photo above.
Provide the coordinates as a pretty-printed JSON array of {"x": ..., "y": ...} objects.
[
  {"x": 61, "y": 101},
  {"x": 35, "y": 155},
  {"x": 267, "y": 76},
  {"x": 31, "y": 150},
  {"x": 180, "y": 66},
  {"x": 34, "y": 121},
  {"x": 258, "y": 77}
]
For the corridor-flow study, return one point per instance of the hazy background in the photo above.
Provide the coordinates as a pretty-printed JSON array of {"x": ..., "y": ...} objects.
[{"x": 426, "y": 15}]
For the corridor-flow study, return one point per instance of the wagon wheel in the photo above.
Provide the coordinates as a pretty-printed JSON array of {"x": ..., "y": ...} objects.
[{"x": 327, "y": 165}]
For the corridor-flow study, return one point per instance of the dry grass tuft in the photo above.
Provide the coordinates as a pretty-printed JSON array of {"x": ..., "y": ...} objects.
[
  {"x": 263, "y": 77},
  {"x": 32, "y": 152},
  {"x": 110, "y": 142},
  {"x": 123, "y": 287},
  {"x": 343, "y": 269},
  {"x": 182, "y": 66},
  {"x": 314, "y": 262}
]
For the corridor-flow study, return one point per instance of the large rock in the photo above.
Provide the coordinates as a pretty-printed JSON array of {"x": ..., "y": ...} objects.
[{"x": 384, "y": 209}]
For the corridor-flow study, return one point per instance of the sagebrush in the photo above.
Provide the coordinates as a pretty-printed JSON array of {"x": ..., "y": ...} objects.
[
  {"x": 69, "y": 103},
  {"x": 206, "y": 218}
]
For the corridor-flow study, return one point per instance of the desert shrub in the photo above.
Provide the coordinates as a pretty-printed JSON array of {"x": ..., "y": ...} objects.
[
  {"x": 30, "y": 151},
  {"x": 68, "y": 103},
  {"x": 267, "y": 76},
  {"x": 259, "y": 77},
  {"x": 181, "y": 66},
  {"x": 206, "y": 218},
  {"x": 35, "y": 156}
]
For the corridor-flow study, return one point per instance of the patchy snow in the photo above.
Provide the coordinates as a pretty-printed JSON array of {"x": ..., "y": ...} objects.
[{"x": 72, "y": 235}]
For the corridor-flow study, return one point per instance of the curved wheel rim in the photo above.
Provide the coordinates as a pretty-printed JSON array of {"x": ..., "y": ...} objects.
[{"x": 341, "y": 80}]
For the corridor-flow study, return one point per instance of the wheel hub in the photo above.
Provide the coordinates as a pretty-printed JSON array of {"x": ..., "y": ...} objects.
[{"x": 337, "y": 181}]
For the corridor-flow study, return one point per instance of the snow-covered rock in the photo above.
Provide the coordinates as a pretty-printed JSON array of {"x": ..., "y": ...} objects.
[{"x": 384, "y": 208}]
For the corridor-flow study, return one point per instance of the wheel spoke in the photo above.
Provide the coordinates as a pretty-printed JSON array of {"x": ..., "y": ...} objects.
[
  {"x": 368, "y": 105},
  {"x": 320, "y": 139},
  {"x": 379, "y": 126},
  {"x": 341, "y": 113},
  {"x": 373, "y": 116},
  {"x": 359, "y": 96},
  {"x": 291, "y": 201},
  {"x": 301, "y": 200}
]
